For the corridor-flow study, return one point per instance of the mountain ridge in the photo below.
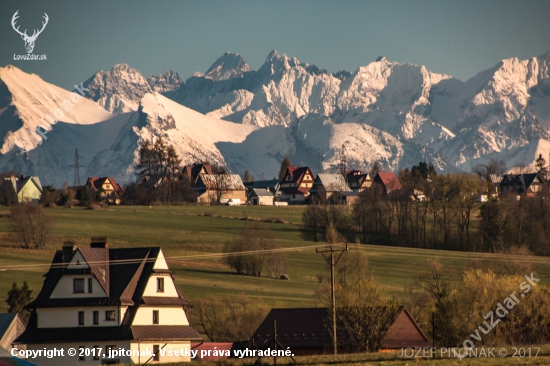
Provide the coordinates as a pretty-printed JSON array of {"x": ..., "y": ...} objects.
[{"x": 390, "y": 112}]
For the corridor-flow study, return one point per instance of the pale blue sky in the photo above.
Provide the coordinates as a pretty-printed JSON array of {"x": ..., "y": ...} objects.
[{"x": 460, "y": 38}]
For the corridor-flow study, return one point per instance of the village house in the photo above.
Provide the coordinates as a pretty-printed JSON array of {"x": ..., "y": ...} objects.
[
  {"x": 27, "y": 189},
  {"x": 329, "y": 188},
  {"x": 296, "y": 184},
  {"x": 387, "y": 181},
  {"x": 192, "y": 172},
  {"x": 304, "y": 330},
  {"x": 260, "y": 197},
  {"x": 107, "y": 189},
  {"x": 112, "y": 299},
  {"x": 528, "y": 184},
  {"x": 358, "y": 181},
  {"x": 220, "y": 188}
]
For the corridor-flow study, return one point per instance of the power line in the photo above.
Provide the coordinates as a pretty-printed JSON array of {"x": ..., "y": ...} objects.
[{"x": 137, "y": 261}]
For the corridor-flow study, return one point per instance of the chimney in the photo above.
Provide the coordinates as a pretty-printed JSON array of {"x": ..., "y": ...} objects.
[
  {"x": 99, "y": 242},
  {"x": 68, "y": 249},
  {"x": 23, "y": 176}
]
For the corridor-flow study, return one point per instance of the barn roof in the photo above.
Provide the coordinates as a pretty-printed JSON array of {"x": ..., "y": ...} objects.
[{"x": 308, "y": 328}]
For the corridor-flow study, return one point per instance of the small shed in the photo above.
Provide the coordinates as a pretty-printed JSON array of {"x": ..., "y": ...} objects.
[
  {"x": 11, "y": 327},
  {"x": 261, "y": 197}
]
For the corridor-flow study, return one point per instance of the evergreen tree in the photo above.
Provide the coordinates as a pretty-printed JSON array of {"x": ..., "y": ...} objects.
[
  {"x": 18, "y": 298},
  {"x": 247, "y": 177},
  {"x": 284, "y": 165}
]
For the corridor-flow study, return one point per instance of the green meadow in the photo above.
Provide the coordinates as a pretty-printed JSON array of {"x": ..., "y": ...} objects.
[{"x": 191, "y": 236}]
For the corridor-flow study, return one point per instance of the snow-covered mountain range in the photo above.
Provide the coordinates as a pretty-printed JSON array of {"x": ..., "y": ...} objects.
[{"x": 395, "y": 113}]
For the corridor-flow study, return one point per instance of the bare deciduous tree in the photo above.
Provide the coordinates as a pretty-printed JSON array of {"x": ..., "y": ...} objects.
[{"x": 31, "y": 224}]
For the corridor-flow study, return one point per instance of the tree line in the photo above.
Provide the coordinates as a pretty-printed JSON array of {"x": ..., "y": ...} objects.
[{"x": 451, "y": 217}]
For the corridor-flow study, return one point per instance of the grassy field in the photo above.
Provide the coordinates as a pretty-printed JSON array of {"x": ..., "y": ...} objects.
[{"x": 188, "y": 234}]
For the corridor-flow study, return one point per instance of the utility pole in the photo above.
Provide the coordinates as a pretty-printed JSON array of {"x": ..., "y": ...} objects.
[
  {"x": 76, "y": 166},
  {"x": 330, "y": 260}
]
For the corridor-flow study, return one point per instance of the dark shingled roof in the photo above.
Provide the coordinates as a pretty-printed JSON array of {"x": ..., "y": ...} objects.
[
  {"x": 124, "y": 274},
  {"x": 307, "y": 328}
]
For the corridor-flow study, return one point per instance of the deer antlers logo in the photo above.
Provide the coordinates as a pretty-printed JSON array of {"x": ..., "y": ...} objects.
[{"x": 29, "y": 40}]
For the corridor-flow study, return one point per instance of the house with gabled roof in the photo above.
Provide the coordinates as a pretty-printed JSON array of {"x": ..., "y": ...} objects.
[
  {"x": 260, "y": 197},
  {"x": 329, "y": 187},
  {"x": 387, "y": 181},
  {"x": 109, "y": 299},
  {"x": 220, "y": 188},
  {"x": 528, "y": 184},
  {"x": 106, "y": 187},
  {"x": 296, "y": 184},
  {"x": 305, "y": 331},
  {"x": 192, "y": 172},
  {"x": 358, "y": 181},
  {"x": 27, "y": 188}
]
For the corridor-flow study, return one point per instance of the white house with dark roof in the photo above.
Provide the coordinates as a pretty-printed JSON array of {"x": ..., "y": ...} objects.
[{"x": 102, "y": 298}]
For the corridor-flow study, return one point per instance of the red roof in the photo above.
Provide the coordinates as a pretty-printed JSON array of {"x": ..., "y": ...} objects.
[
  {"x": 297, "y": 174},
  {"x": 96, "y": 183},
  {"x": 389, "y": 180}
]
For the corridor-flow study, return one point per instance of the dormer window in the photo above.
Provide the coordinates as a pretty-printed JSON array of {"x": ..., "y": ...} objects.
[
  {"x": 160, "y": 284},
  {"x": 78, "y": 285}
]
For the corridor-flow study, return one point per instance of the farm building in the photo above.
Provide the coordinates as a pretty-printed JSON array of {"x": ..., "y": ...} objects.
[
  {"x": 261, "y": 197},
  {"x": 218, "y": 187},
  {"x": 305, "y": 331},
  {"x": 329, "y": 187}
]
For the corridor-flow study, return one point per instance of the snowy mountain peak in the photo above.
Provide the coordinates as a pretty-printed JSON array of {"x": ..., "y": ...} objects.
[
  {"x": 381, "y": 58},
  {"x": 228, "y": 66},
  {"x": 166, "y": 82},
  {"x": 119, "y": 89}
]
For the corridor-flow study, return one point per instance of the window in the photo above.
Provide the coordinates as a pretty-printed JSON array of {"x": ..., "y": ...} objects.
[
  {"x": 160, "y": 284},
  {"x": 81, "y": 353},
  {"x": 78, "y": 285},
  {"x": 97, "y": 352},
  {"x": 109, "y": 348},
  {"x": 80, "y": 318},
  {"x": 90, "y": 282},
  {"x": 96, "y": 317},
  {"x": 156, "y": 356},
  {"x": 155, "y": 316},
  {"x": 110, "y": 315}
]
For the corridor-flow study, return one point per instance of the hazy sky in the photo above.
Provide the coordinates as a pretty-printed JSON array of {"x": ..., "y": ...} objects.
[{"x": 460, "y": 38}]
